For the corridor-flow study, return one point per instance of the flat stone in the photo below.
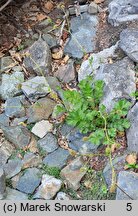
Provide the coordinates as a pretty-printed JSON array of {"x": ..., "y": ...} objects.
[
  {"x": 18, "y": 135},
  {"x": 77, "y": 143},
  {"x": 14, "y": 107},
  {"x": 31, "y": 160},
  {"x": 83, "y": 9},
  {"x": 55, "y": 85},
  {"x": 50, "y": 40},
  {"x": 81, "y": 28},
  {"x": 15, "y": 195},
  {"x": 93, "y": 8},
  {"x": 58, "y": 158},
  {"x": 10, "y": 86},
  {"x": 65, "y": 130},
  {"x": 98, "y": 60},
  {"x": 66, "y": 73},
  {"x": 128, "y": 182},
  {"x": 4, "y": 120},
  {"x": 41, "y": 128},
  {"x": 118, "y": 163},
  {"x": 39, "y": 60},
  {"x": 29, "y": 181},
  {"x": 48, "y": 188},
  {"x": 129, "y": 43},
  {"x": 62, "y": 196},
  {"x": 41, "y": 110},
  {"x": 73, "y": 173},
  {"x": 119, "y": 79},
  {"x": 35, "y": 88},
  {"x": 12, "y": 168},
  {"x": 132, "y": 132},
  {"x": 6, "y": 151},
  {"x": 6, "y": 63},
  {"x": 121, "y": 11},
  {"x": 3, "y": 157},
  {"x": 48, "y": 143},
  {"x": 2, "y": 184}
]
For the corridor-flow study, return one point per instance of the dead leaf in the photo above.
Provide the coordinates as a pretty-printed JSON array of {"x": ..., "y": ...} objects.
[
  {"x": 17, "y": 41},
  {"x": 99, "y": 1},
  {"x": 114, "y": 147},
  {"x": 63, "y": 143},
  {"x": 33, "y": 145},
  {"x": 88, "y": 184},
  {"x": 65, "y": 59},
  {"x": 131, "y": 159},
  {"x": 1, "y": 54},
  {"x": 58, "y": 55},
  {"x": 110, "y": 61},
  {"x": 41, "y": 17},
  {"x": 49, "y": 6}
]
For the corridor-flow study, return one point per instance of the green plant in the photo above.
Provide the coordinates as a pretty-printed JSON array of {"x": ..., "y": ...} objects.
[
  {"x": 132, "y": 166},
  {"x": 53, "y": 171},
  {"x": 135, "y": 94},
  {"x": 85, "y": 112}
]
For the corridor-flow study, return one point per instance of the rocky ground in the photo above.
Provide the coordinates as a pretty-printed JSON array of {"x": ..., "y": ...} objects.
[{"x": 48, "y": 46}]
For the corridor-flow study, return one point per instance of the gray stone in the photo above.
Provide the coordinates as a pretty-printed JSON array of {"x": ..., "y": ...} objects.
[
  {"x": 48, "y": 143},
  {"x": 41, "y": 128},
  {"x": 129, "y": 43},
  {"x": 14, "y": 107},
  {"x": 62, "y": 196},
  {"x": 6, "y": 63},
  {"x": 41, "y": 110},
  {"x": 17, "y": 68},
  {"x": 76, "y": 143},
  {"x": 97, "y": 59},
  {"x": 132, "y": 132},
  {"x": 11, "y": 85},
  {"x": 48, "y": 188},
  {"x": 128, "y": 182},
  {"x": 58, "y": 158},
  {"x": 6, "y": 151},
  {"x": 3, "y": 157},
  {"x": 2, "y": 184},
  {"x": 73, "y": 173},
  {"x": 50, "y": 40},
  {"x": 118, "y": 163},
  {"x": 4, "y": 120},
  {"x": 15, "y": 195},
  {"x": 54, "y": 85},
  {"x": 18, "y": 135},
  {"x": 122, "y": 11},
  {"x": 83, "y": 9},
  {"x": 29, "y": 181},
  {"x": 93, "y": 8},
  {"x": 31, "y": 160},
  {"x": 119, "y": 79},
  {"x": 66, "y": 73},
  {"x": 13, "y": 167},
  {"x": 36, "y": 87},
  {"x": 81, "y": 28},
  {"x": 39, "y": 60},
  {"x": 65, "y": 130}
]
